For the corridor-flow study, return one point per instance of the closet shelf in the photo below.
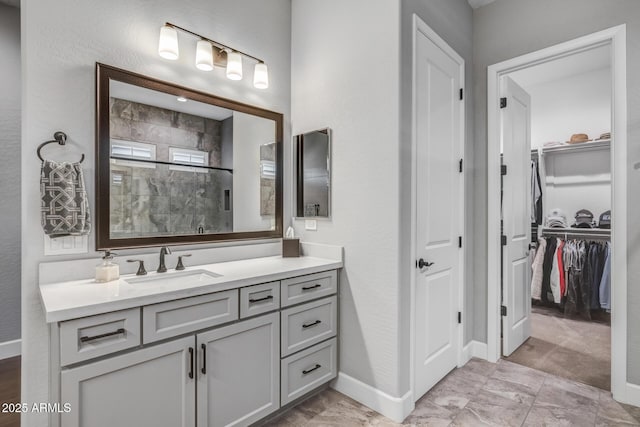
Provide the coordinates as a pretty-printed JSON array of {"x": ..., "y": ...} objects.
[
  {"x": 587, "y": 233},
  {"x": 574, "y": 148}
]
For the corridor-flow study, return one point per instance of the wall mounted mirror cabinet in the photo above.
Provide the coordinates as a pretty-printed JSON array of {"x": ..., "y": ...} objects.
[
  {"x": 178, "y": 166},
  {"x": 312, "y": 154}
]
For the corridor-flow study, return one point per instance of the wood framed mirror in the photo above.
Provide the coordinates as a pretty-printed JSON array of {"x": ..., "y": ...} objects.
[{"x": 179, "y": 166}]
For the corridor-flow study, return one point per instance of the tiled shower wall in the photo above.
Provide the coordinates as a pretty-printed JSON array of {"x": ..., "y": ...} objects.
[{"x": 154, "y": 201}]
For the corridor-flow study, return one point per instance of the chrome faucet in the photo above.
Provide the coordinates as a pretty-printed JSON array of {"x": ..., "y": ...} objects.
[{"x": 163, "y": 251}]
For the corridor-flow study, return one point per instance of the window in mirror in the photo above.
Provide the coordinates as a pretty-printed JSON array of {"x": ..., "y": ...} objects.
[
  {"x": 184, "y": 171},
  {"x": 313, "y": 174}
]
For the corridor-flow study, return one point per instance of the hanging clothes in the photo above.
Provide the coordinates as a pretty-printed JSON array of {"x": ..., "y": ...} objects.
[
  {"x": 536, "y": 194},
  {"x": 547, "y": 295},
  {"x": 554, "y": 280},
  {"x": 536, "y": 267},
  {"x": 575, "y": 258},
  {"x": 605, "y": 282}
]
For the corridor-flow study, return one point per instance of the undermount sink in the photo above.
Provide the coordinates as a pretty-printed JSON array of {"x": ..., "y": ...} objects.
[{"x": 183, "y": 278}]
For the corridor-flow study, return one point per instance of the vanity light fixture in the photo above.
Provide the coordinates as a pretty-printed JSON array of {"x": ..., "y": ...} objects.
[{"x": 210, "y": 53}]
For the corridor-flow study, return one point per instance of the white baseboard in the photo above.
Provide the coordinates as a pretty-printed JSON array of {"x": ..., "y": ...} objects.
[
  {"x": 10, "y": 349},
  {"x": 395, "y": 408},
  {"x": 466, "y": 354},
  {"x": 479, "y": 350},
  {"x": 630, "y": 395}
]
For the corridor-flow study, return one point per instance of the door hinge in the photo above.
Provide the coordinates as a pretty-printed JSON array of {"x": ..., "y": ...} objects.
[
  {"x": 459, "y": 241},
  {"x": 461, "y": 94},
  {"x": 459, "y": 317},
  {"x": 460, "y": 166},
  {"x": 503, "y": 102},
  {"x": 503, "y": 240},
  {"x": 503, "y": 310},
  {"x": 503, "y": 170}
]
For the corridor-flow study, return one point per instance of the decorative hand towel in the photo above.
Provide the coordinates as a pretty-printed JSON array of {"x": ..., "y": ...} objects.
[{"x": 64, "y": 206}]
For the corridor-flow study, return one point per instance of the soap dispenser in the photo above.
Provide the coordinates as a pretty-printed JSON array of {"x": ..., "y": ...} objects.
[{"x": 107, "y": 270}]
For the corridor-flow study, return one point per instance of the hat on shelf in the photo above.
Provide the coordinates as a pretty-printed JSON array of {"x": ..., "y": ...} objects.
[
  {"x": 577, "y": 138},
  {"x": 556, "y": 219},
  {"x": 605, "y": 220},
  {"x": 606, "y": 135},
  {"x": 584, "y": 219}
]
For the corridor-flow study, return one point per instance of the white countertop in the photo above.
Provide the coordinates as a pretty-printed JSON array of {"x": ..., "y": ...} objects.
[{"x": 80, "y": 298}]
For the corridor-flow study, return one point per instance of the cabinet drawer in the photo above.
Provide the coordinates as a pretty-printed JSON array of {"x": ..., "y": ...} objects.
[
  {"x": 259, "y": 299},
  {"x": 168, "y": 319},
  {"x": 307, "y": 370},
  {"x": 305, "y": 288},
  {"x": 308, "y": 324},
  {"x": 89, "y": 337}
]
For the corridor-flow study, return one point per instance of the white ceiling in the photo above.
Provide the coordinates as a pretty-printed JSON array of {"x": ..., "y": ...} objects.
[
  {"x": 579, "y": 63},
  {"x": 164, "y": 100},
  {"x": 479, "y": 3}
]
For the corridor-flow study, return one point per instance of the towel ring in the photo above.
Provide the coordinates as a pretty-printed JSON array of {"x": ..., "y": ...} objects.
[{"x": 59, "y": 137}]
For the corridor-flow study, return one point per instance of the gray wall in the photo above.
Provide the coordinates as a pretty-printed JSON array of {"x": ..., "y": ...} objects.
[
  {"x": 9, "y": 173},
  {"x": 453, "y": 21},
  {"x": 62, "y": 42},
  {"x": 509, "y": 28}
]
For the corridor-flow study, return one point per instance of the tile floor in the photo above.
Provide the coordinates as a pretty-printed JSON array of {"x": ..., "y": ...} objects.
[{"x": 480, "y": 393}]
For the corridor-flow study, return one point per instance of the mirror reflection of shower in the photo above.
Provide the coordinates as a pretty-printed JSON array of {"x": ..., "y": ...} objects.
[{"x": 312, "y": 153}]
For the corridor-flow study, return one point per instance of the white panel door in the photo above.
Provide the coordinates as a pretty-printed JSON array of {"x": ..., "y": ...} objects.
[
  {"x": 239, "y": 372},
  {"x": 154, "y": 386},
  {"x": 438, "y": 202},
  {"x": 516, "y": 215}
]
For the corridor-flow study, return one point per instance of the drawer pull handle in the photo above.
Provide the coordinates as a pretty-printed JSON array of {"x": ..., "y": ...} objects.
[
  {"x": 308, "y": 288},
  {"x": 308, "y": 371},
  {"x": 97, "y": 337},
  {"x": 191, "y": 362},
  {"x": 308, "y": 325},
  {"x": 203, "y": 346},
  {"x": 261, "y": 299}
]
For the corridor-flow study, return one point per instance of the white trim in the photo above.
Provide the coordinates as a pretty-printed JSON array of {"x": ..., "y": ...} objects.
[
  {"x": 10, "y": 349},
  {"x": 631, "y": 395},
  {"x": 479, "y": 350},
  {"x": 420, "y": 26},
  {"x": 395, "y": 408},
  {"x": 616, "y": 36}
]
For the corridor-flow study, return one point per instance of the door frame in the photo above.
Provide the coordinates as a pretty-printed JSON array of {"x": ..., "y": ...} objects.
[
  {"x": 419, "y": 26},
  {"x": 616, "y": 38}
]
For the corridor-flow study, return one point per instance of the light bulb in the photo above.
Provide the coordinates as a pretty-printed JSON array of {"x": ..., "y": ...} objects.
[
  {"x": 261, "y": 76},
  {"x": 204, "y": 56},
  {"x": 168, "y": 44},
  {"x": 234, "y": 66}
]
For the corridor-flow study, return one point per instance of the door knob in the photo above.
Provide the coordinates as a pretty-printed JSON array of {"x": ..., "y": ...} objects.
[{"x": 422, "y": 264}]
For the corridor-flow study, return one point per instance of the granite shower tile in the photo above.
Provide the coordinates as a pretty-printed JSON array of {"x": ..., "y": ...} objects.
[
  {"x": 190, "y": 123},
  {"x": 182, "y": 224},
  {"x": 159, "y": 204},
  {"x": 149, "y": 133},
  {"x": 151, "y": 115},
  {"x": 161, "y": 222},
  {"x": 119, "y": 128},
  {"x": 120, "y": 108},
  {"x": 213, "y": 127},
  {"x": 183, "y": 138}
]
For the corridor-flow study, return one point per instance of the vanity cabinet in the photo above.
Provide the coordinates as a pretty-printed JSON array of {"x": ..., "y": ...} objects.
[
  {"x": 147, "y": 387},
  {"x": 227, "y": 358},
  {"x": 239, "y": 372}
]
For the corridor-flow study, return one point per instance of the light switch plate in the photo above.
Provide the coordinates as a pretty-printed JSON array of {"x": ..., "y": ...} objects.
[
  {"x": 310, "y": 224},
  {"x": 66, "y": 245}
]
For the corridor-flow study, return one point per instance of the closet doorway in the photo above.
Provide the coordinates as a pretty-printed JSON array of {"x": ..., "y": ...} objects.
[{"x": 544, "y": 173}]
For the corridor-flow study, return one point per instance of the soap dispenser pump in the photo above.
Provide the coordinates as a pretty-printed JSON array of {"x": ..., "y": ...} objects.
[{"x": 107, "y": 270}]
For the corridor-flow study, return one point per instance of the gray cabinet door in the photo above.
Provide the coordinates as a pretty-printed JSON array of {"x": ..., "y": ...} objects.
[
  {"x": 239, "y": 372},
  {"x": 148, "y": 387}
]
